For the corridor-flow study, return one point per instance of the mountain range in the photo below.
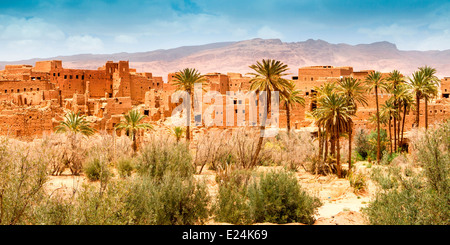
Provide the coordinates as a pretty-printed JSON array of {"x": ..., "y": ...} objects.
[{"x": 237, "y": 56}]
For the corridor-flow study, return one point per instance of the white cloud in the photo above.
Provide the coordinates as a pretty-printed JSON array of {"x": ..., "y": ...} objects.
[
  {"x": 267, "y": 32},
  {"x": 84, "y": 43},
  {"x": 438, "y": 41},
  {"x": 34, "y": 28},
  {"x": 125, "y": 39}
]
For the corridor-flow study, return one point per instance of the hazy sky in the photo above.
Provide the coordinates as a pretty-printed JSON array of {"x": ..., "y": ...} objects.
[{"x": 46, "y": 28}]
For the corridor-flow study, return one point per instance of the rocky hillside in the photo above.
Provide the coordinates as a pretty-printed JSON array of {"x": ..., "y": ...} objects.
[{"x": 237, "y": 56}]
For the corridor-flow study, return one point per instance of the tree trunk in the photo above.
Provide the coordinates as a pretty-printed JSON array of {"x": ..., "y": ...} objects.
[
  {"x": 416, "y": 123},
  {"x": 319, "y": 158},
  {"x": 350, "y": 132},
  {"x": 426, "y": 113},
  {"x": 338, "y": 155},
  {"x": 288, "y": 118},
  {"x": 261, "y": 136},
  {"x": 390, "y": 137},
  {"x": 188, "y": 120},
  {"x": 395, "y": 134},
  {"x": 378, "y": 125},
  {"x": 403, "y": 123},
  {"x": 326, "y": 146}
]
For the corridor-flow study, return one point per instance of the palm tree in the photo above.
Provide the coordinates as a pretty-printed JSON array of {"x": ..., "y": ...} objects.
[
  {"x": 354, "y": 92},
  {"x": 267, "y": 76},
  {"x": 418, "y": 88},
  {"x": 178, "y": 132},
  {"x": 132, "y": 125},
  {"x": 387, "y": 113},
  {"x": 293, "y": 97},
  {"x": 322, "y": 92},
  {"x": 431, "y": 90},
  {"x": 376, "y": 83},
  {"x": 334, "y": 114},
  {"x": 407, "y": 101},
  {"x": 184, "y": 80},
  {"x": 75, "y": 123},
  {"x": 396, "y": 80}
]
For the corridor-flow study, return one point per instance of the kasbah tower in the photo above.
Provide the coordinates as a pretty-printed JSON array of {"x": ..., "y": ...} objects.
[{"x": 33, "y": 99}]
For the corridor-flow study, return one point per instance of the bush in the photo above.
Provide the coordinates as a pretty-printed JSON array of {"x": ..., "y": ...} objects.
[
  {"x": 171, "y": 200},
  {"x": 409, "y": 198},
  {"x": 274, "y": 197},
  {"x": 232, "y": 206},
  {"x": 97, "y": 169},
  {"x": 278, "y": 198},
  {"x": 23, "y": 174},
  {"x": 160, "y": 157},
  {"x": 358, "y": 182},
  {"x": 125, "y": 166}
]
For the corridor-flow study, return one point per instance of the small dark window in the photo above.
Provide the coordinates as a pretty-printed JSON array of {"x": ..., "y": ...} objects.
[
  {"x": 6, "y": 91},
  {"x": 76, "y": 77},
  {"x": 82, "y": 77},
  {"x": 70, "y": 76},
  {"x": 65, "y": 76},
  {"x": 37, "y": 89}
]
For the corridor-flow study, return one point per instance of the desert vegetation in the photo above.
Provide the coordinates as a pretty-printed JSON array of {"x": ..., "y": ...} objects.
[{"x": 147, "y": 174}]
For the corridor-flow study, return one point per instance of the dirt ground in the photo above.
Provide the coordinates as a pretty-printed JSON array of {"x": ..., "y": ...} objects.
[{"x": 341, "y": 206}]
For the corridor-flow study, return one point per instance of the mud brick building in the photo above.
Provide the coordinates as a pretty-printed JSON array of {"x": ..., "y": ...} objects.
[{"x": 33, "y": 99}]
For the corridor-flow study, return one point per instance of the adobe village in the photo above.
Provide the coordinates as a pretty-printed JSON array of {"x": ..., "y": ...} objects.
[{"x": 353, "y": 147}]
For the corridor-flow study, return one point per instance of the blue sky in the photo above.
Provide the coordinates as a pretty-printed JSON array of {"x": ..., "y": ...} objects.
[{"x": 48, "y": 28}]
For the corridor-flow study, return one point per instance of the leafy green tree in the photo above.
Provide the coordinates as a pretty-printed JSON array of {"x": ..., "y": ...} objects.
[
  {"x": 132, "y": 125},
  {"x": 184, "y": 80},
  {"x": 75, "y": 123},
  {"x": 354, "y": 92},
  {"x": 376, "y": 83},
  {"x": 292, "y": 98},
  {"x": 267, "y": 76}
]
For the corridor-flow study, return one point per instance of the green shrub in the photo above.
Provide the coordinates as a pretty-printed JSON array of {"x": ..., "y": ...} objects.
[
  {"x": 23, "y": 174},
  {"x": 96, "y": 169},
  {"x": 171, "y": 200},
  {"x": 362, "y": 145},
  {"x": 232, "y": 206},
  {"x": 159, "y": 158},
  {"x": 125, "y": 167},
  {"x": 274, "y": 197},
  {"x": 409, "y": 198},
  {"x": 278, "y": 198},
  {"x": 358, "y": 182}
]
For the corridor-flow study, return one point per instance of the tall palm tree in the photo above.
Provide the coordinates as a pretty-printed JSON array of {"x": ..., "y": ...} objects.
[
  {"x": 407, "y": 101},
  {"x": 75, "y": 123},
  {"x": 334, "y": 114},
  {"x": 354, "y": 92},
  {"x": 322, "y": 92},
  {"x": 292, "y": 98},
  {"x": 388, "y": 110},
  {"x": 267, "y": 76},
  {"x": 395, "y": 80},
  {"x": 431, "y": 91},
  {"x": 184, "y": 80},
  {"x": 132, "y": 125},
  {"x": 376, "y": 83},
  {"x": 418, "y": 87}
]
